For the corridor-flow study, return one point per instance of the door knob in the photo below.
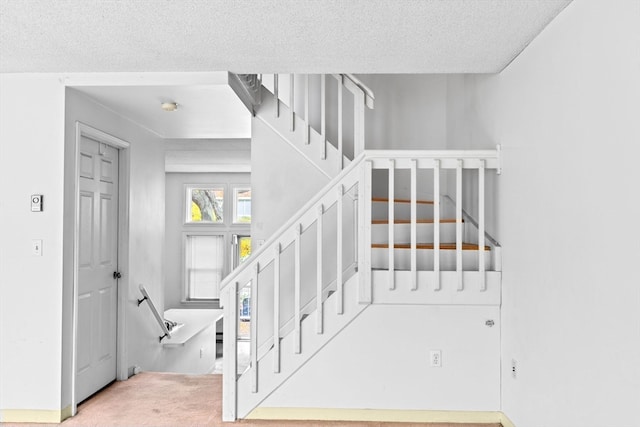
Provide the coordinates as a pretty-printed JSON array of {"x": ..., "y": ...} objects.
[{"x": 117, "y": 275}]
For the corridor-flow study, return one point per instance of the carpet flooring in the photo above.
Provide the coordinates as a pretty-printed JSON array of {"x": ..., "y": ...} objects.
[{"x": 167, "y": 399}]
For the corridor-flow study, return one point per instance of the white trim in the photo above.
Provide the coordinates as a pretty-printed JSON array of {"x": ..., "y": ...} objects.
[
  {"x": 233, "y": 188},
  {"x": 376, "y": 415},
  {"x": 123, "y": 248},
  {"x": 186, "y": 204}
]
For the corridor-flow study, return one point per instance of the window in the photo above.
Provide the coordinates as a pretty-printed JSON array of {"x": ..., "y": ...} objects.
[
  {"x": 204, "y": 266},
  {"x": 205, "y": 205},
  {"x": 214, "y": 241},
  {"x": 241, "y": 249},
  {"x": 242, "y": 205}
]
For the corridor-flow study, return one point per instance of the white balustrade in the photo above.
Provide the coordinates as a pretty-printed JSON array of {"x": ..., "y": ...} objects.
[
  {"x": 362, "y": 97},
  {"x": 356, "y": 176}
]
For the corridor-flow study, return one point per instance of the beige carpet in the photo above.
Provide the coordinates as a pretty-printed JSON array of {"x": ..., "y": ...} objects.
[{"x": 166, "y": 399}]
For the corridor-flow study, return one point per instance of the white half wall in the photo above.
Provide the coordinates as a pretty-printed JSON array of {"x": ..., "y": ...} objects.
[
  {"x": 382, "y": 361},
  {"x": 566, "y": 112},
  {"x": 31, "y": 292}
]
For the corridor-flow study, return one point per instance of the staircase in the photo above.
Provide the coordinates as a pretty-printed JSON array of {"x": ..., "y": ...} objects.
[{"x": 352, "y": 245}]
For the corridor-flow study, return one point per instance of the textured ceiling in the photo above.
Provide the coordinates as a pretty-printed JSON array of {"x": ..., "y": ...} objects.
[{"x": 357, "y": 36}]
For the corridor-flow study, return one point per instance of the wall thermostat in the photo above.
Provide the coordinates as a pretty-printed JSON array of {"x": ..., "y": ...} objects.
[{"x": 36, "y": 203}]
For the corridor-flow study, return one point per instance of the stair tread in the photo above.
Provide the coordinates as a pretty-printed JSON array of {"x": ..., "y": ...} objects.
[
  {"x": 445, "y": 246},
  {"x": 386, "y": 200},
  {"x": 419, "y": 221}
]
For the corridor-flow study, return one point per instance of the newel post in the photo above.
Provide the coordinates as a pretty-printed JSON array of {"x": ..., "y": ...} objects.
[{"x": 230, "y": 352}]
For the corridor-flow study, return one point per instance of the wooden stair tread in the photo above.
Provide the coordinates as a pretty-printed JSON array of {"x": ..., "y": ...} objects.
[
  {"x": 419, "y": 221},
  {"x": 443, "y": 246},
  {"x": 386, "y": 200}
]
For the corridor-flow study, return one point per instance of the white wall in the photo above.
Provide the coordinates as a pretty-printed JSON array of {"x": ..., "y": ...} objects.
[
  {"x": 410, "y": 111},
  {"x": 381, "y": 361},
  {"x": 282, "y": 181},
  {"x": 207, "y": 155},
  {"x": 31, "y": 162},
  {"x": 566, "y": 113},
  {"x": 175, "y": 209},
  {"x": 36, "y": 157}
]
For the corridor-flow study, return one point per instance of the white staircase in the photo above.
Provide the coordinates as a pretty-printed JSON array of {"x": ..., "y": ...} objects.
[{"x": 333, "y": 259}]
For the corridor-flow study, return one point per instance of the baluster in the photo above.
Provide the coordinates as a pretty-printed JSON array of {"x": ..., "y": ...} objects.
[
  {"x": 459, "y": 225},
  {"x": 254, "y": 329},
  {"x": 436, "y": 223},
  {"x": 230, "y": 351},
  {"x": 275, "y": 94},
  {"x": 358, "y": 122},
  {"x": 340, "y": 147},
  {"x": 292, "y": 125},
  {"x": 414, "y": 228},
  {"x": 323, "y": 116},
  {"x": 297, "y": 347},
  {"x": 481, "y": 220},
  {"x": 391, "y": 224},
  {"x": 307, "y": 133},
  {"x": 319, "y": 268},
  {"x": 339, "y": 269},
  {"x": 276, "y": 310},
  {"x": 364, "y": 233}
]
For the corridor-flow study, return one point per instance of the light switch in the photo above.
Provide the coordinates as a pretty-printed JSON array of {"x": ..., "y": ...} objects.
[{"x": 36, "y": 247}]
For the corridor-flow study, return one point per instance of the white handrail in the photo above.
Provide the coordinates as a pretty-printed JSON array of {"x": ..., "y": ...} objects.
[{"x": 152, "y": 307}]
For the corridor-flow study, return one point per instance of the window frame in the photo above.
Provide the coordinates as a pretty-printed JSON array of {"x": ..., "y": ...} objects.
[
  {"x": 225, "y": 228},
  {"x": 234, "y": 207},
  {"x": 187, "y": 200}
]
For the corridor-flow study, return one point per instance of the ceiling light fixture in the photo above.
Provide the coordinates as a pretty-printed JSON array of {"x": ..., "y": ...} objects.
[{"x": 169, "y": 106}]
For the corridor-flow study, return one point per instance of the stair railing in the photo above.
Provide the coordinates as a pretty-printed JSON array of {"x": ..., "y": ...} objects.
[
  {"x": 356, "y": 179},
  {"x": 438, "y": 162},
  {"x": 285, "y": 89},
  {"x": 333, "y": 197}
]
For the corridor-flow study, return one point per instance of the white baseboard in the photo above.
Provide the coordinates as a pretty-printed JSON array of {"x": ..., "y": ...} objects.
[{"x": 379, "y": 415}]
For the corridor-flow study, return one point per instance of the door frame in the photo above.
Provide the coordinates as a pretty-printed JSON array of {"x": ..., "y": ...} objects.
[{"x": 124, "y": 159}]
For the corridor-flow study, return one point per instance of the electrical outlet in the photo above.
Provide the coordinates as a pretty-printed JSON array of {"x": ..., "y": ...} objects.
[
  {"x": 36, "y": 247},
  {"x": 514, "y": 369},
  {"x": 436, "y": 358}
]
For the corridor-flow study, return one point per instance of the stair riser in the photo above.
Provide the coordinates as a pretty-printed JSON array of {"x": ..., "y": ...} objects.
[
  {"x": 402, "y": 259},
  {"x": 380, "y": 210},
  {"x": 402, "y": 233}
]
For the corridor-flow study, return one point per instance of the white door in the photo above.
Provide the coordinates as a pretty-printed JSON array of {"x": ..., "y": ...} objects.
[{"x": 97, "y": 263}]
